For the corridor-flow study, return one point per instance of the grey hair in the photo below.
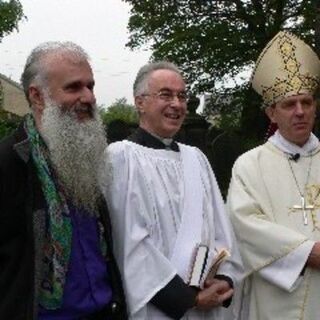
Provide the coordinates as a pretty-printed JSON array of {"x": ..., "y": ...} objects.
[
  {"x": 140, "y": 85},
  {"x": 35, "y": 70}
]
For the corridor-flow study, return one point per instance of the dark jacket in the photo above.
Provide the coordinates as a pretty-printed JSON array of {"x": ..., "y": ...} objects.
[{"x": 22, "y": 221}]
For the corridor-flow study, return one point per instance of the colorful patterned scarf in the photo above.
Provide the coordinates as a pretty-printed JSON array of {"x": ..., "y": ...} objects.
[{"x": 58, "y": 224}]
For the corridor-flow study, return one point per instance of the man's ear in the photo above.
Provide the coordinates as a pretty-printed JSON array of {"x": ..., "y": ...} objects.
[
  {"x": 138, "y": 101},
  {"x": 270, "y": 113},
  {"x": 36, "y": 98}
]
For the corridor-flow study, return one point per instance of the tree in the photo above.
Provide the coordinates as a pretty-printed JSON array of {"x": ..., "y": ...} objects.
[
  {"x": 120, "y": 118},
  {"x": 214, "y": 41},
  {"x": 8, "y": 123},
  {"x": 119, "y": 110},
  {"x": 317, "y": 26},
  {"x": 11, "y": 12}
]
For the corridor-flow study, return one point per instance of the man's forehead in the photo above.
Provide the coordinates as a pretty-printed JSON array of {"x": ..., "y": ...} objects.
[
  {"x": 67, "y": 67},
  {"x": 55, "y": 60},
  {"x": 296, "y": 97},
  {"x": 165, "y": 77}
]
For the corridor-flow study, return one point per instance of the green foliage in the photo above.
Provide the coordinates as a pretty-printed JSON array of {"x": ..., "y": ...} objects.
[
  {"x": 120, "y": 119},
  {"x": 213, "y": 41},
  {"x": 7, "y": 123},
  {"x": 1, "y": 95},
  {"x": 11, "y": 12},
  {"x": 223, "y": 108},
  {"x": 120, "y": 110}
]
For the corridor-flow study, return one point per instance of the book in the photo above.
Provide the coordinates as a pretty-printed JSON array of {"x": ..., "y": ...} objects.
[
  {"x": 205, "y": 264},
  {"x": 218, "y": 259},
  {"x": 198, "y": 265}
]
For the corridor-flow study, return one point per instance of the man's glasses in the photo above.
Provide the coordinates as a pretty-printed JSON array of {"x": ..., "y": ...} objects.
[{"x": 168, "y": 96}]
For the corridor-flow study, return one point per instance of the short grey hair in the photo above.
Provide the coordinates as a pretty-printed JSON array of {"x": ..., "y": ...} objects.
[
  {"x": 140, "y": 85},
  {"x": 35, "y": 70}
]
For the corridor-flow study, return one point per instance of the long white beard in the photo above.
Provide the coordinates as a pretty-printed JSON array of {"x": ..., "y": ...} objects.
[{"x": 77, "y": 153}]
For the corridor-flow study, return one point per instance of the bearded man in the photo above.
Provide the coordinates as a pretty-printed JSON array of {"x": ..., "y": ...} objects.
[{"x": 56, "y": 259}]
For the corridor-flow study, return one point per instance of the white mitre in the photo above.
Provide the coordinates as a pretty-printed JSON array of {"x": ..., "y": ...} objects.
[{"x": 287, "y": 66}]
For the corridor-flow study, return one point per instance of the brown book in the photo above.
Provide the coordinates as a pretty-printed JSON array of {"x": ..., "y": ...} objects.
[{"x": 218, "y": 259}]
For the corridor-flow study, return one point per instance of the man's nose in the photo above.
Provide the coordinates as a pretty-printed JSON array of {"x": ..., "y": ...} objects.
[
  {"x": 87, "y": 96},
  {"x": 299, "y": 109}
]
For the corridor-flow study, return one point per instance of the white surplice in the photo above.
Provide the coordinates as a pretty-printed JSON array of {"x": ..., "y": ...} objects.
[
  {"x": 146, "y": 200},
  {"x": 274, "y": 241}
]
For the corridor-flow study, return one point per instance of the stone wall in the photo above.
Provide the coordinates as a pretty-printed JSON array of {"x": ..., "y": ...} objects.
[{"x": 14, "y": 100}]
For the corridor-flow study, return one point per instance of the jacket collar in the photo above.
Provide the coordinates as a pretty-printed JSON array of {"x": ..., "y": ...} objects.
[{"x": 22, "y": 145}]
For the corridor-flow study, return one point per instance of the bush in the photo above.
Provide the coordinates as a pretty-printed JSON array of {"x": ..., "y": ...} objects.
[
  {"x": 120, "y": 110},
  {"x": 8, "y": 123}
]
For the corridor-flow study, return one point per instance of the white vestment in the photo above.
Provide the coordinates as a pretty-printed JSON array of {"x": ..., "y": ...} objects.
[
  {"x": 274, "y": 240},
  {"x": 146, "y": 200}
]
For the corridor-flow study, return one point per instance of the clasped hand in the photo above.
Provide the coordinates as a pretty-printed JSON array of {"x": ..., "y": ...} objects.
[
  {"x": 313, "y": 260},
  {"x": 214, "y": 293}
]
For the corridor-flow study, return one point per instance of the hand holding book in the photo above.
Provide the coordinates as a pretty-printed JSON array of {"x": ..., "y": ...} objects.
[
  {"x": 215, "y": 293},
  {"x": 204, "y": 264},
  {"x": 204, "y": 267}
]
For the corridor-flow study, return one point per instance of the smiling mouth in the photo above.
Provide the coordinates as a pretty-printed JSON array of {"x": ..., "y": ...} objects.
[
  {"x": 84, "y": 110},
  {"x": 173, "y": 116}
]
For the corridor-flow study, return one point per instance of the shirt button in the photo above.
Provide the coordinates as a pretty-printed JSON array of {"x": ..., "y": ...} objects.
[{"x": 114, "y": 307}]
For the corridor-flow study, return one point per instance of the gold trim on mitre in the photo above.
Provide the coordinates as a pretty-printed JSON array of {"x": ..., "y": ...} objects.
[{"x": 287, "y": 66}]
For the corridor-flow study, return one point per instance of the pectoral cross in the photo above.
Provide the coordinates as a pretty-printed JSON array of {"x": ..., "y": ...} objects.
[{"x": 304, "y": 209}]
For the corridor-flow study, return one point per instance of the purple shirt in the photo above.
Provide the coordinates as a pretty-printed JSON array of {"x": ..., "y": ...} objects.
[{"x": 87, "y": 287}]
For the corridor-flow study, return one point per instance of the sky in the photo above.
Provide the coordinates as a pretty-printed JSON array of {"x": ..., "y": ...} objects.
[{"x": 99, "y": 26}]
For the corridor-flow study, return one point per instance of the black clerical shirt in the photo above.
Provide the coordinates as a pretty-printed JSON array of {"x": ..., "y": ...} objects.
[{"x": 146, "y": 139}]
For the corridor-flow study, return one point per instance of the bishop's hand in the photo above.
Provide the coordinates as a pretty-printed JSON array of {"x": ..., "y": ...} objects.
[
  {"x": 215, "y": 292},
  {"x": 313, "y": 260}
]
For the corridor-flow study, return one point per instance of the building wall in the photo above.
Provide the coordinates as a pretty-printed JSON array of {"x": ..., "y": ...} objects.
[{"x": 14, "y": 100}]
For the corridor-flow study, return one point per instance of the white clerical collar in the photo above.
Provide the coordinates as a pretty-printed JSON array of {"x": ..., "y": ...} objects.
[
  {"x": 166, "y": 141},
  {"x": 288, "y": 147}
]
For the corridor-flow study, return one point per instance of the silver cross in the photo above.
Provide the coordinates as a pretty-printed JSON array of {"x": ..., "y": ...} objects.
[{"x": 303, "y": 207}]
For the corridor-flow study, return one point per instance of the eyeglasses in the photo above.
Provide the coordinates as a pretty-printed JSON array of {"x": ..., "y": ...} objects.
[{"x": 168, "y": 96}]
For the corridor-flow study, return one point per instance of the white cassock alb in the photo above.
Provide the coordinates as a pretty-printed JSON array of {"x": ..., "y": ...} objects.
[
  {"x": 146, "y": 199},
  {"x": 275, "y": 233}
]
